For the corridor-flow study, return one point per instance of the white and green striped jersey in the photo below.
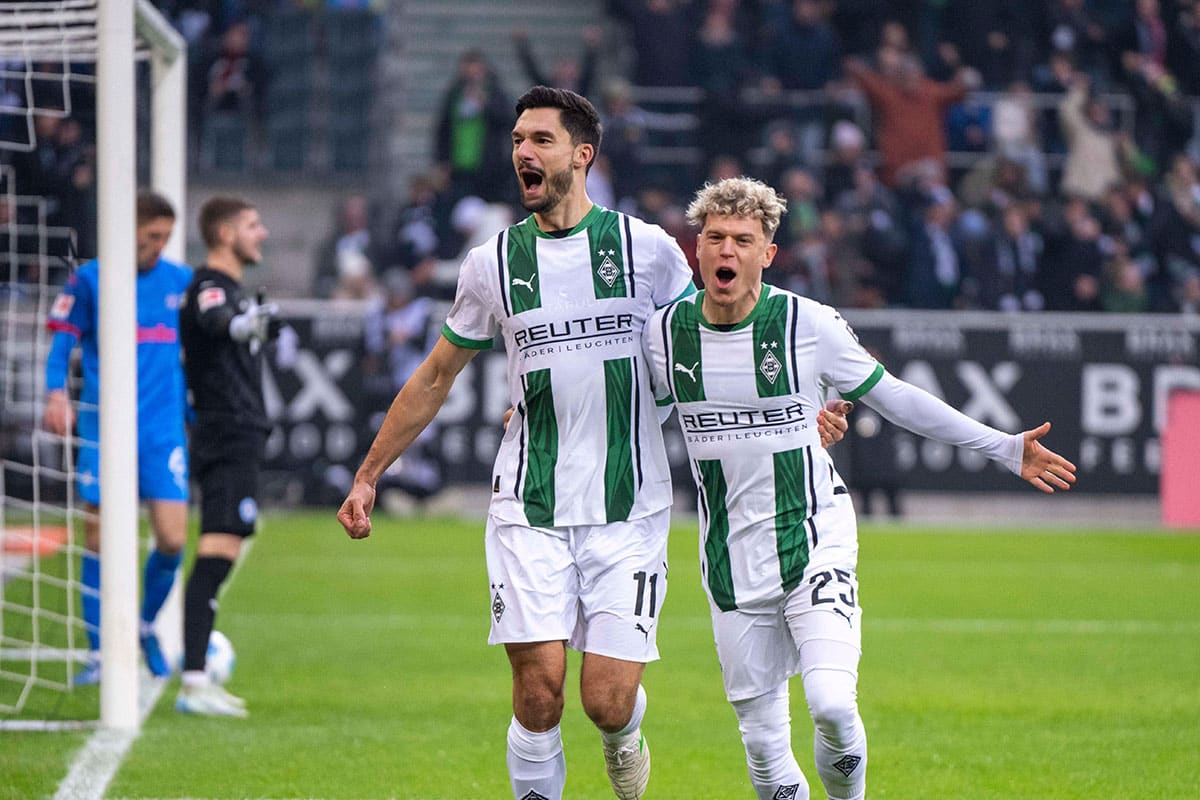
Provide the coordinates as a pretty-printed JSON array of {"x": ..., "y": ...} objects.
[
  {"x": 747, "y": 400},
  {"x": 585, "y": 444}
]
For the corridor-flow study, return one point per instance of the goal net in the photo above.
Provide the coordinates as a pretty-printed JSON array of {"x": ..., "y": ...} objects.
[{"x": 52, "y": 189}]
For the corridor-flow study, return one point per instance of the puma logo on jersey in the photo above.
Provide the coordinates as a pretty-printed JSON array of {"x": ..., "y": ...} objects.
[
  {"x": 644, "y": 631},
  {"x": 691, "y": 371},
  {"x": 849, "y": 619},
  {"x": 528, "y": 284}
]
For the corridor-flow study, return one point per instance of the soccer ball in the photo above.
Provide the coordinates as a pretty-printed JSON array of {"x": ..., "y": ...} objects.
[{"x": 219, "y": 659}]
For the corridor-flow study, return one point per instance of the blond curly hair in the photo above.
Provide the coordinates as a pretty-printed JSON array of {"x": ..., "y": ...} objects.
[{"x": 739, "y": 197}]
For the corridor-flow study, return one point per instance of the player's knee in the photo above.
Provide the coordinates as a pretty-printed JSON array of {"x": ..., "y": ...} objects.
[
  {"x": 538, "y": 704},
  {"x": 766, "y": 728},
  {"x": 169, "y": 545},
  {"x": 832, "y": 701},
  {"x": 608, "y": 710}
]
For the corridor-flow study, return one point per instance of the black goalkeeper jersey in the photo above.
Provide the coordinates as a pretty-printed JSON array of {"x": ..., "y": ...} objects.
[{"x": 223, "y": 376}]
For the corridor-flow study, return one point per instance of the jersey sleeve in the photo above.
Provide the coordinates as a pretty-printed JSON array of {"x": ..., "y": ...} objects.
[
  {"x": 71, "y": 317},
  {"x": 655, "y": 351},
  {"x": 917, "y": 410},
  {"x": 214, "y": 309},
  {"x": 843, "y": 362},
  {"x": 472, "y": 322},
  {"x": 672, "y": 273}
]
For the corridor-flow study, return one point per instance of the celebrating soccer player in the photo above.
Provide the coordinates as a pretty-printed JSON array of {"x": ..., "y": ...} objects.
[
  {"x": 748, "y": 367},
  {"x": 162, "y": 457},
  {"x": 223, "y": 334}
]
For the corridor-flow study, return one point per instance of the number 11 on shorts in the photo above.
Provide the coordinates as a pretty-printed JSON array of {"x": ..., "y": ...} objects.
[{"x": 643, "y": 583}]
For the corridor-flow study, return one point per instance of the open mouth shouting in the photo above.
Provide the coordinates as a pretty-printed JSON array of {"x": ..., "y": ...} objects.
[
  {"x": 532, "y": 181},
  {"x": 724, "y": 277}
]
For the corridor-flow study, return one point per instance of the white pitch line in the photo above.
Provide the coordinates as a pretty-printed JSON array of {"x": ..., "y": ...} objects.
[{"x": 96, "y": 764}]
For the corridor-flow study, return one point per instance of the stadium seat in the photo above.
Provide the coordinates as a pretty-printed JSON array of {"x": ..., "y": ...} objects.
[
  {"x": 287, "y": 140},
  {"x": 224, "y": 141}
]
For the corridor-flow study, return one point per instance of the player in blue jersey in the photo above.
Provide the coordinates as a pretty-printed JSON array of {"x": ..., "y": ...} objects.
[{"x": 162, "y": 454}]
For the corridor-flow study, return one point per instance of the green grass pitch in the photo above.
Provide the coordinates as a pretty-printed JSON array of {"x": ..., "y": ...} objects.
[{"x": 998, "y": 664}]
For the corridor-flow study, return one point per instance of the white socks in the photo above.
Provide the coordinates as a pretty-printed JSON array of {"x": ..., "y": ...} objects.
[
  {"x": 536, "y": 762},
  {"x": 839, "y": 738},
  {"x": 766, "y": 727}
]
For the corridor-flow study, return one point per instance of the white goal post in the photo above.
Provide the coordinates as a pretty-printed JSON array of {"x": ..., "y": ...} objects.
[{"x": 114, "y": 35}]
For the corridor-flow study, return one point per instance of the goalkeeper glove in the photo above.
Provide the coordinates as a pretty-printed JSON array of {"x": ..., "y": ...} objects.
[{"x": 255, "y": 323}]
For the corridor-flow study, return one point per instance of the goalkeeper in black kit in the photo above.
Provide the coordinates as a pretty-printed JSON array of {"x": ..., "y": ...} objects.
[{"x": 223, "y": 332}]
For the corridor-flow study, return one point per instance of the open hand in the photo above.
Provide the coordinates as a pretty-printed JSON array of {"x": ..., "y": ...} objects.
[{"x": 1043, "y": 467}]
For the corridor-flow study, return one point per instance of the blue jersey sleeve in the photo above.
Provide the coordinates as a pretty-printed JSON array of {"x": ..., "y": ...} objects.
[{"x": 71, "y": 318}]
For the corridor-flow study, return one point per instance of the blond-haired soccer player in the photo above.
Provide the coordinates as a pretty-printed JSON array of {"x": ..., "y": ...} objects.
[{"x": 748, "y": 367}]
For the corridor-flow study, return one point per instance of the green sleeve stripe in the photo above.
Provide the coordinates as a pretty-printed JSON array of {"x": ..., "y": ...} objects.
[
  {"x": 664, "y": 401},
  {"x": 688, "y": 292},
  {"x": 462, "y": 341},
  {"x": 866, "y": 385}
]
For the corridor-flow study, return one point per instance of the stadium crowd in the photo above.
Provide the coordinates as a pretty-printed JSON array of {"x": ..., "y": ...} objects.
[{"x": 1013, "y": 155}]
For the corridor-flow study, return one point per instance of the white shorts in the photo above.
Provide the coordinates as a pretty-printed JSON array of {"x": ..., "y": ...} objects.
[
  {"x": 598, "y": 587},
  {"x": 759, "y": 648}
]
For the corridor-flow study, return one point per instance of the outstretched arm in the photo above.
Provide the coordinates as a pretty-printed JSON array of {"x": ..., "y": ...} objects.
[
  {"x": 412, "y": 409},
  {"x": 1043, "y": 467},
  {"x": 916, "y": 410}
]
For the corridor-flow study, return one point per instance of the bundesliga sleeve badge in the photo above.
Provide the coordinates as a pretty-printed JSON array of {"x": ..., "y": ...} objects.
[{"x": 209, "y": 298}]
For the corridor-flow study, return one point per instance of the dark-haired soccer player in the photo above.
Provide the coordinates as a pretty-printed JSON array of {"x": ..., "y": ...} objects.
[
  {"x": 223, "y": 333},
  {"x": 162, "y": 456}
]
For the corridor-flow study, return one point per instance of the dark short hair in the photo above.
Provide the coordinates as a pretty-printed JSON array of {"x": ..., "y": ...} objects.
[
  {"x": 152, "y": 206},
  {"x": 215, "y": 212},
  {"x": 578, "y": 115}
]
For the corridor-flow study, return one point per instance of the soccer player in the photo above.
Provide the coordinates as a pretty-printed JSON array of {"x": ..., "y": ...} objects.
[
  {"x": 162, "y": 457},
  {"x": 223, "y": 333},
  {"x": 577, "y": 529},
  {"x": 747, "y": 366}
]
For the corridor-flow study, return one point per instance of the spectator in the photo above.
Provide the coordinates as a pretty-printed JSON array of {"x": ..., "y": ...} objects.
[
  {"x": 848, "y": 146},
  {"x": 346, "y": 263},
  {"x": 577, "y": 75},
  {"x": 1175, "y": 239},
  {"x": 1149, "y": 34},
  {"x": 1015, "y": 134},
  {"x": 661, "y": 33},
  {"x": 1123, "y": 287},
  {"x": 1070, "y": 273},
  {"x": 235, "y": 80},
  {"x": 1006, "y": 277},
  {"x": 781, "y": 152},
  {"x": 935, "y": 263},
  {"x": 909, "y": 112},
  {"x": 1163, "y": 122},
  {"x": 1093, "y": 147},
  {"x": 1183, "y": 47},
  {"x": 1053, "y": 77},
  {"x": 802, "y": 55},
  {"x": 721, "y": 66},
  {"x": 418, "y": 231},
  {"x": 1077, "y": 32},
  {"x": 992, "y": 37},
  {"x": 472, "y": 131},
  {"x": 625, "y": 134},
  {"x": 61, "y": 170},
  {"x": 398, "y": 337},
  {"x": 873, "y": 225}
]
